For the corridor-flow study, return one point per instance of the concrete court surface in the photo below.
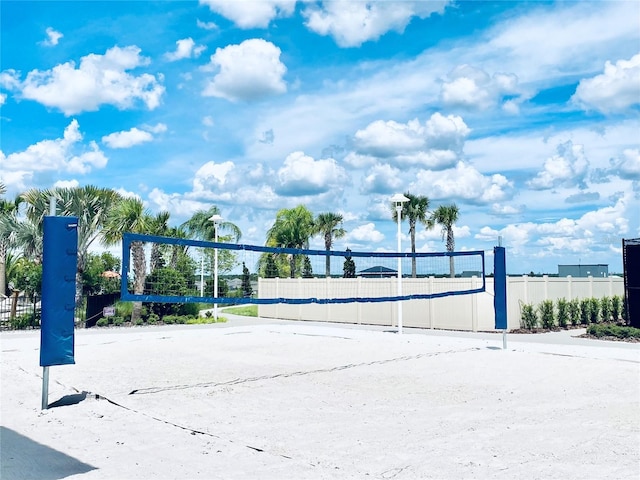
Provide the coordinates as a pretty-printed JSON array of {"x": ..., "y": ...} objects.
[{"x": 265, "y": 399}]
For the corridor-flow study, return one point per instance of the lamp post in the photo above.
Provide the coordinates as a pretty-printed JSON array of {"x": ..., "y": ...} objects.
[
  {"x": 399, "y": 199},
  {"x": 216, "y": 219}
]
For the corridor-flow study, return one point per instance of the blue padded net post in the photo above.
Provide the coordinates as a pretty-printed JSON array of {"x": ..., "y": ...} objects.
[
  {"x": 500, "y": 288},
  {"x": 60, "y": 252}
]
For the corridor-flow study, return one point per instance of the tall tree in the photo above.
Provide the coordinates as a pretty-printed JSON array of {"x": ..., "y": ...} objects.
[
  {"x": 415, "y": 210},
  {"x": 329, "y": 225},
  {"x": 89, "y": 204},
  {"x": 247, "y": 289},
  {"x": 446, "y": 216},
  {"x": 292, "y": 229},
  {"x": 129, "y": 215},
  {"x": 8, "y": 219},
  {"x": 201, "y": 228},
  {"x": 349, "y": 266},
  {"x": 158, "y": 225}
]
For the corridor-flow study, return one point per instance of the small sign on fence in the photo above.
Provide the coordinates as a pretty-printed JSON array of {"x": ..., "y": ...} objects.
[{"x": 109, "y": 311}]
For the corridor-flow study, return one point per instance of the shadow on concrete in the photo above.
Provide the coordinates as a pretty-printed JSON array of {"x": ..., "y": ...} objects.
[{"x": 23, "y": 459}]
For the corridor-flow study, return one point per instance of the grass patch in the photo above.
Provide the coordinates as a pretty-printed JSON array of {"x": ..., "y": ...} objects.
[
  {"x": 205, "y": 320},
  {"x": 244, "y": 310}
]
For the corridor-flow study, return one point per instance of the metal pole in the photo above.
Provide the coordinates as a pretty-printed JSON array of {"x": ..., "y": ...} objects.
[
  {"x": 398, "y": 215},
  {"x": 45, "y": 370},
  {"x": 215, "y": 272}
]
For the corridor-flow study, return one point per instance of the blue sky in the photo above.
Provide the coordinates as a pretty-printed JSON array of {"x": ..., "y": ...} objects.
[{"x": 525, "y": 114}]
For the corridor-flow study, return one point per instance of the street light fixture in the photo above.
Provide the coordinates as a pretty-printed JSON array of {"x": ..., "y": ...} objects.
[
  {"x": 216, "y": 219},
  {"x": 398, "y": 199}
]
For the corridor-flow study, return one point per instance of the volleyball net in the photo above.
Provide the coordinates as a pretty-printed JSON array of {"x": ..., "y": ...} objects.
[{"x": 173, "y": 270}]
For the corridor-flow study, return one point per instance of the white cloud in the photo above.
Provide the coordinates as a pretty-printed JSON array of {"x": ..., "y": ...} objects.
[
  {"x": 382, "y": 178},
  {"x": 127, "y": 139},
  {"x": 157, "y": 128},
  {"x": 206, "y": 25},
  {"x": 252, "y": 14},
  {"x": 66, "y": 184},
  {"x": 387, "y": 139},
  {"x": 212, "y": 176},
  {"x": 53, "y": 37},
  {"x": 175, "y": 203},
  {"x": 559, "y": 39},
  {"x": 567, "y": 167},
  {"x": 628, "y": 165},
  {"x": 249, "y": 71},
  {"x": 62, "y": 155},
  {"x": 353, "y": 23},
  {"x": 437, "y": 144},
  {"x": 3, "y": 98},
  {"x": 503, "y": 209},
  {"x": 100, "y": 79},
  {"x": 302, "y": 175},
  {"x": 617, "y": 89},
  {"x": 207, "y": 121},
  {"x": 565, "y": 236},
  {"x": 364, "y": 233},
  {"x": 473, "y": 88},
  {"x": 186, "y": 48},
  {"x": 463, "y": 182}
]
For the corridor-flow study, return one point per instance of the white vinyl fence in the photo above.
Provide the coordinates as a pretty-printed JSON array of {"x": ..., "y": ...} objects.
[{"x": 459, "y": 312}]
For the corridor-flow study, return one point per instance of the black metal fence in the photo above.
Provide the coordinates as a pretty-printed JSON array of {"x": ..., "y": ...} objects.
[{"x": 19, "y": 312}]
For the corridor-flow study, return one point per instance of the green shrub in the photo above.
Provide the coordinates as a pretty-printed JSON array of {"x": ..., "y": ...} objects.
[
  {"x": 103, "y": 322},
  {"x": 616, "y": 307},
  {"x": 189, "y": 309},
  {"x": 124, "y": 309},
  {"x": 182, "y": 319},
  {"x": 138, "y": 322},
  {"x": 529, "y": 318},
  {"x": 585, "y": 311},
  {"x": 574, "y": 311},
  {"x": 610, "y": 330},
  {"x": 24, "y": 321},
  {"x": 547, "y": 317},
  {"x": 594, "y": 311},
  {"x": 153, "y": 318},
  {"x": 118, "y": 321},
  {"x": 169, "y": 319},
  {"x": 605, "y": 309},
  {"x": 563, "y": 312}
]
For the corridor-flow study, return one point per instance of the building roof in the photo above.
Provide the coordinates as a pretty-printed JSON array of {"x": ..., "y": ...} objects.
[{"x": 377, "y": 271}]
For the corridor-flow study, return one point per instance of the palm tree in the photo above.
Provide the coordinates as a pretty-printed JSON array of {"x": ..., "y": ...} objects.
[
  {"x": 176, "y": 250},
  {"x": 329, "y": 226},
  {"x": 89, "y": 204},
  {"x": 200, "y": 227},
  {"x": 292, "y": 229},
  {"x": 8, "y": 219},
  {"x": 158, "y": 225},
  {"x": 446, "y": 216},
  {"x": 415, "y": 210},
  {"x": 129, "y": 215}
]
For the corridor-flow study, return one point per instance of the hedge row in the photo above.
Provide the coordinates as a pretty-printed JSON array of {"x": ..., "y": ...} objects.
[{"x": 562, "y": 313}]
